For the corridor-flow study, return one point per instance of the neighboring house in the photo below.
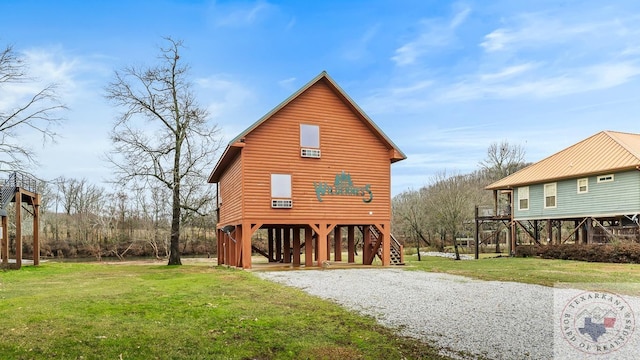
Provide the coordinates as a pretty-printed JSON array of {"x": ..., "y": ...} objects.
[
  {"x": 312, "y": 167},
  {"x": 595, "y": 182}
]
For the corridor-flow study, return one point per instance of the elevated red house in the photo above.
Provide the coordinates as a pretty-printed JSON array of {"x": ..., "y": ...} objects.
[{"x": 312, "y": 167}]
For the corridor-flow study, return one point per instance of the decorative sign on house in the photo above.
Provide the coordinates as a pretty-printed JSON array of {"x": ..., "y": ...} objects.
[{"x": 343, "y": 186}]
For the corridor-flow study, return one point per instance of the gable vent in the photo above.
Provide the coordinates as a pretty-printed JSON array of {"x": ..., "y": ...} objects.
[
  {"x": 310, "y": 153},
  {"x": 281, "y": 204}
]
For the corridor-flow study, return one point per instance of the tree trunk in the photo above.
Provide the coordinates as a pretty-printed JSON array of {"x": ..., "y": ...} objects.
[
  {"x": 174, "y": 248},
  {"x": 418, "y": 248},
  {"x": 455, "y": 247}
]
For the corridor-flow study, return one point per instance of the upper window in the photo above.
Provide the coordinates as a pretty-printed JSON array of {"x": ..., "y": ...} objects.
[
  {"x": 583, "y": 185},
  {"x": 523, "y": 198},
  {"x": 550, "y": 195},
  {"x": 309, "y": 136},
  {"x": 605, "y": 178}
]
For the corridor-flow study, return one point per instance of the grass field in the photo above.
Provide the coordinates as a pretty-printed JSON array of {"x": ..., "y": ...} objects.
[
  {"x": 100, "y": 311},
  {"x": 623, "y": 278}
]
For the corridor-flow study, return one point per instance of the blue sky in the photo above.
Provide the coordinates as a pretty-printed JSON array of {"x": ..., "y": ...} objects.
[{"x": 443, "y": 79}]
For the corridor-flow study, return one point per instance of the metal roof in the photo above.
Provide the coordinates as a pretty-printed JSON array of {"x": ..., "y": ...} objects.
[
  {"x": 604, "y": 152},
  {"x": 233, "y": 148}
]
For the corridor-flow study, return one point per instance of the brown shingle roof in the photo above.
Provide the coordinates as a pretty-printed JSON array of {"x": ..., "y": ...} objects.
[{"x": 606, "y": 151}]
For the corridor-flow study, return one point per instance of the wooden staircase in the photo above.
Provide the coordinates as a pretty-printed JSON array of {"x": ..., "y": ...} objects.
[{"x": 397, "y": 249}]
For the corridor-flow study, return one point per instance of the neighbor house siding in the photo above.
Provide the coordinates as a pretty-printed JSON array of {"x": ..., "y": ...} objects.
[
  {"x": 346, "y": 144},
  {"x": 621, "y": 196},
  {"x": 231, "y": 192}
]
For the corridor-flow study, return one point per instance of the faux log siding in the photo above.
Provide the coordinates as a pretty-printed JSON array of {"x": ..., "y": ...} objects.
[
  {"x": 346, "y": 145},
  {"x": 231, "y": 192}
]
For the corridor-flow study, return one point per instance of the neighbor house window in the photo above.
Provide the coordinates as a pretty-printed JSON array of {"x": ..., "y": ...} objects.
[
  {"x": 583, "y": 186},
  {"x": 605, "y": 178},
  {"x": 523, "y": 198},
  {"x": 550, "y": 195},
  {"x": 281, "y": 191}
]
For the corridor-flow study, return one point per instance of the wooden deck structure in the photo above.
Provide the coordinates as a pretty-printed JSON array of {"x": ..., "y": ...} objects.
[
  {"x": 21, "y": 189},
  {"x": 313, "y": 172}
]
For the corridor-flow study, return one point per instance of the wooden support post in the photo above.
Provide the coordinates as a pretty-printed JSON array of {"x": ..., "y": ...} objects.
[
  {"x": 296, "y": 247},
  {"x": 366, "y": 246},
  {"x": 270, "y": 244},
  {"x": 351, "y": 244},
  {"x": 328, "y": 256},
  {"x": 286, "y": 245},
  {"x": 385, "y": 233},
  {"x": 476, "y": 236},
  {"x": 590, "y": 231},
  {"x": 5, "y": 241},
  {"x": 221, "y": 247},
  {"x": 322, "y": 244},
  {"x": 337, "y": 243},
  {"x": 576, "y": 234},
  {"x": 246, "y": 245},
  {"x": 308, "y": 247},
  {"x": 36, "y": 230},
  {"x": 18, "y": 230},
  {"x": 239, "y": 246},
  {"x": 232, "y": 249},
  {"x": 536, "y": 232},
  {"x": 278, "y": 244}
]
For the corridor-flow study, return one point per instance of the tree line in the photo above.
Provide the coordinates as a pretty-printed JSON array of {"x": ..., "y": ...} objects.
[
  {"x": 436, "y": 214},
  {"x": 163, "y": 142}
]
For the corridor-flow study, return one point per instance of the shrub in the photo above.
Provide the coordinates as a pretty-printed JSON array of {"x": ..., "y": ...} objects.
[
  {"x": 527, "y": 250},
  {"x": 612, "y": 253}
]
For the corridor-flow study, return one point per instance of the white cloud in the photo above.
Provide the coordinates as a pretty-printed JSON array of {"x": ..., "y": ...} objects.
[
  {"x": 434, "y": 34},
  {"x": 508, "y": 72},
  {"x": 223, "y": 95},
  {"x": 239, "y": 14}
]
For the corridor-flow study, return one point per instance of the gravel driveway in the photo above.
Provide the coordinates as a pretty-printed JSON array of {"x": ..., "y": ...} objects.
[{"x": 492, "y": 319}]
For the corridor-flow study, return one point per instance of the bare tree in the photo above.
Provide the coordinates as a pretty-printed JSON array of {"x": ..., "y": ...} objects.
[
  {"x": 163, "y": 134},
  {"x": 451, "y": 200},
  {"x": 410, "y": 216},
  {"x": 503, "y": 159},
  {"x": 23, "y": 109}
]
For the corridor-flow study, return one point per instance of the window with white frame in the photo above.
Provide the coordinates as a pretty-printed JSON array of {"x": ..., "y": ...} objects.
[
  {"x": 583, "y": 185},
  {"x": 605, "y": 178},
  {"x": 523, "y": 198},
  {"x": 281, "y": 191},
  {"x": 550, "y": 195},
  {"x": 309, "y": 136},
  {"x": 309, "y": 141}
]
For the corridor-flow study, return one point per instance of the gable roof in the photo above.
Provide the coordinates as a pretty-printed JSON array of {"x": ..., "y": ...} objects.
[
  {"x": 234, "y": 146},
  {"x": 604, "y": 152}
]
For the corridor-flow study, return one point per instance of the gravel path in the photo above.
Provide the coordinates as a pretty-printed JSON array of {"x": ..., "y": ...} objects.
[{"x": 491, "y": 319}]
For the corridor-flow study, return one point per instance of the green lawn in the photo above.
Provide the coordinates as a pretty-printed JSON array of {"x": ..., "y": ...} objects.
[
  {"x": 614, "y": 277},
  {"x": 99, "y": 311}
]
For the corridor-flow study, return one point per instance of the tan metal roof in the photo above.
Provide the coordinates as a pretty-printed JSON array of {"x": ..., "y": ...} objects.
[{"x": 606, "y": 151}]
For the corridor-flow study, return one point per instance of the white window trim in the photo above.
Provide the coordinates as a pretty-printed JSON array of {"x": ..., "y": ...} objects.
[
  {"x": 555, "y": 195},
  {"x": 586, "y": 185},
  {"x": 521, "y": 191},
  {"x": 279, "y": 184},
  {"x": 605, "y": 178},
  {"x": 304, "y": 143}
]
